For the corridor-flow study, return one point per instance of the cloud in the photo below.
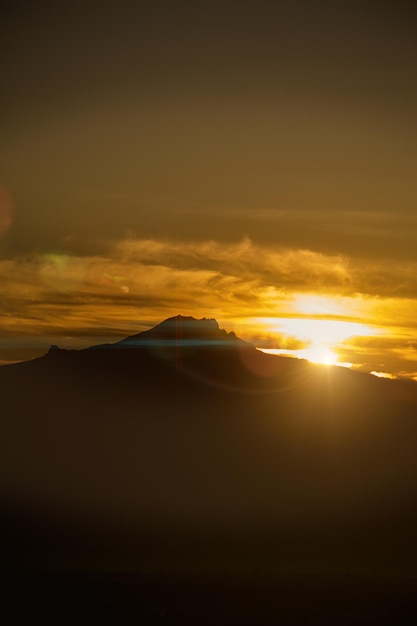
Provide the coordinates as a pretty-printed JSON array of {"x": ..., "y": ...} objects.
[
  {"x": 281, "y": 268},
  {"x": 235, "y": 278},
  {"x": 372, "y": 234},
  {"x": 278, "y": 267},
  {"x": 394, "y": 354},
  {"x": 76, "y": 300}
]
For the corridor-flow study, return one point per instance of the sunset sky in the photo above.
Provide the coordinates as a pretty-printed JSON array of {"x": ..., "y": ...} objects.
[{"x": 249, "y": 161}]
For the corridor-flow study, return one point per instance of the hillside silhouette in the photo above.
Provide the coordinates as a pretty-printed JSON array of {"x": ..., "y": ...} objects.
[{"x": 185, "y": 442}]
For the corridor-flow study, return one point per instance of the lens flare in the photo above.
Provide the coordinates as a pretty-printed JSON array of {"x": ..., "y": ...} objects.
[
  {"x": 114, "y": 279},
  {"x": 56, "y": 272}
]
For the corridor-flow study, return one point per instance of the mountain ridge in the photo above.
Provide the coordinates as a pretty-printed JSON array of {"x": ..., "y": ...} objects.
[{"x": 185, "y": 329}]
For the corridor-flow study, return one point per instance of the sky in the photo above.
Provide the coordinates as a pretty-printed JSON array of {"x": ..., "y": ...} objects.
[{"x": 249, "y": 161}]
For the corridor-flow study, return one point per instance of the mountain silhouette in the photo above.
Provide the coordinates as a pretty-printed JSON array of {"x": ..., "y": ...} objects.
[
  {"x": 186, "y": 430},
  {"x": 186, "y": 330}
]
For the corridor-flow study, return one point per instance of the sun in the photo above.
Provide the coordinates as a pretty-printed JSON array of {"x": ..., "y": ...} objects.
[
  {"x": 321, "y": 354},
  {"x": 315, "y": 327}
]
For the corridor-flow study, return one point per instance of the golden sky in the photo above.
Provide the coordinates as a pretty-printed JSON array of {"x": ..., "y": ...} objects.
[{"x": 249, "y": 161}]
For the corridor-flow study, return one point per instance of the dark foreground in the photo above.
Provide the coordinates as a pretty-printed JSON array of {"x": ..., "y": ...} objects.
[
  {"x": 247, "y": 597},
  {"x": 183, "y": 477}
]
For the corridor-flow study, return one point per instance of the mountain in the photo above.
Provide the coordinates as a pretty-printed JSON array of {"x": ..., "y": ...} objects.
[
  {"x": 186, "y": 430},
  {"x": 187, "y": 331}
]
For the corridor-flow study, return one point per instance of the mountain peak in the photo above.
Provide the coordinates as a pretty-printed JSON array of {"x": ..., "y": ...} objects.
[
  {"x": 185, "y": 330},
  {"x": 189, "y": 323}
]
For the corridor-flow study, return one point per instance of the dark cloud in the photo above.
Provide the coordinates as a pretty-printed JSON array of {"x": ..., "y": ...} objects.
[{"x": 120, "y": 117}]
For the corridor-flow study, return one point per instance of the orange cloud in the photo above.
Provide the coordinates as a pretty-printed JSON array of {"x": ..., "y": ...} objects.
[{"x": 78, "y": 300}]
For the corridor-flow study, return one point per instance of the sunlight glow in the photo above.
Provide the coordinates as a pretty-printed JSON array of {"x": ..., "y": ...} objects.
[
  {"x": 322, "y": 354},
  {"x": 318, "y": 305},
  {"x": 310, "y": 325},
  {"x": 314, "y": 355},
  {"x": 382, "y": 374}
]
